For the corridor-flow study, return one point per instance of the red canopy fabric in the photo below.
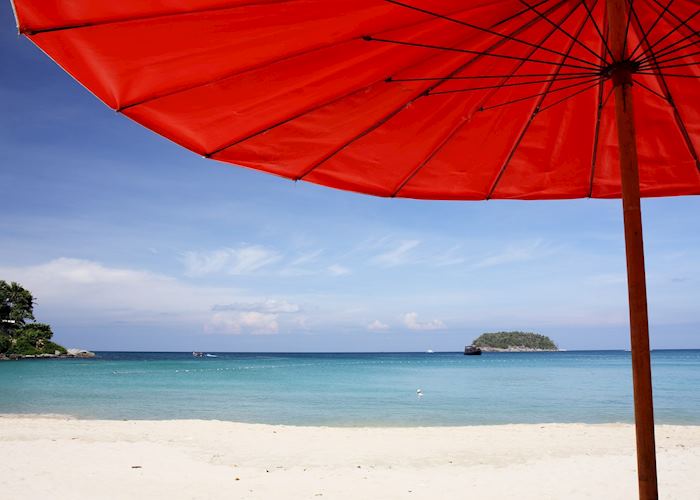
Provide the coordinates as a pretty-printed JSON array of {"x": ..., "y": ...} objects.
[{"x": 435, "y": 99}]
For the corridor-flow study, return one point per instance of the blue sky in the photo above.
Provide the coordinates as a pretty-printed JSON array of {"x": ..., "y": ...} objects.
[{"x": 130, "y": 242}]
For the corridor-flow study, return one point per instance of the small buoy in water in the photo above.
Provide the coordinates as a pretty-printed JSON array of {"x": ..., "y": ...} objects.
[{"x": 419, "y": 392}]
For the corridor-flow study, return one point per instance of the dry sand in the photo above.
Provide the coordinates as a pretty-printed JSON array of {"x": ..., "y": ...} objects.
[{"x": 62, "y": 458}]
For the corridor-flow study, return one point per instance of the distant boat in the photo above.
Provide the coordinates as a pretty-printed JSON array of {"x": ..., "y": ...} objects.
[
  {"x": 429, "y": 351},
  {"x": 197, "y": 354},
  {"x": 211, "y": 355},
  {"x": 471, "y": 350}
]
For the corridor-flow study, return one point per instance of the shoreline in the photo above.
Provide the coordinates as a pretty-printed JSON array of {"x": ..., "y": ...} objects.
[
  {"x": 71, "y": 353},
  {"x": 78, "y": 418},
  {"x": 59, "y": 456}
]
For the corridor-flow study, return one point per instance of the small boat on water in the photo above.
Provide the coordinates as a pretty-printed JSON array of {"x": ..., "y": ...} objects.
[
  {"x": 211, "y": 355},
  {"x": 471, "y": 350},
  {"x": 197, "y": 354},
  {"x": 429, "y": 351}
]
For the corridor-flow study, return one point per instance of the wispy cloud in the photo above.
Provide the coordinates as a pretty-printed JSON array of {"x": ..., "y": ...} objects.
[
  {"x": 306, "y": 258},
  {"x": 337, "y": 270},
  {"x": 515, "y": 253},
  {"x": 87, "y": 292},
  {"x": 377, "y": 326},
  {"x": 244, "y": 259},
  {"x": 267, "y": 306},
  {"x": 255, "y": 318},
  {"x": 411, "y": 321},
  {"x": 84, "y": 289},
  {"x": 396, "y": 256},
  {"x": 238, "y": 323},
  {"x": 451, "y": 257}
]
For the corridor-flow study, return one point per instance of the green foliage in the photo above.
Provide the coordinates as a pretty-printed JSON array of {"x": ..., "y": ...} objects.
[
  {"x": 52, "y": 347},
  {"x": 5, "y": 343},
  {"x": 506, "y": 340},
  {"x": 16, "y": 305},
  {"x": 18, "y": 333},
  {"x": 23, "y": 347},
  {"x": 36, "y": 333}
]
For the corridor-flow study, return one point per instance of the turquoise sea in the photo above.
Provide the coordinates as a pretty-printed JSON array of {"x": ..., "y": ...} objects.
[{"x": 353, "y": 389}]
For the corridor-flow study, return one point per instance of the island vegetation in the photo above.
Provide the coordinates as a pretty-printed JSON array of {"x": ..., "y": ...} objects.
[
  {"x": 20, "y": 334},
  {"x": 514, "y": 342}
]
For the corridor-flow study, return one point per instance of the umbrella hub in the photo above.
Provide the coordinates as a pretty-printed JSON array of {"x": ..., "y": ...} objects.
[{"x": 621, "y": 71}]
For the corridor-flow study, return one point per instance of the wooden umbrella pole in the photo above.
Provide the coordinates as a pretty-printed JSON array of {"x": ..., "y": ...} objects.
[{"x": 636, "y": 279}]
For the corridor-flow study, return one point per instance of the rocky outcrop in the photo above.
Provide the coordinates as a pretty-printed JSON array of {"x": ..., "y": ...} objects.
[
  {"x": 516, "y": 349},
  {"x": 70, "y": 353},
  {"x": 79, "y": 353}
]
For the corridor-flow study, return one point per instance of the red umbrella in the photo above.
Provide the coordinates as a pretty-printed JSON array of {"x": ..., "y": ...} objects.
[{"x": 434, "y": 99}]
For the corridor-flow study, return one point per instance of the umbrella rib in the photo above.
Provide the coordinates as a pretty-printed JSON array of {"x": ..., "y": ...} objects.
[
  {"x": 387, "y": 117},
  {"x": 476, "y": 52},
  {"x": 462, "y": 122},
  {"x": 668, "y": 66},
  {"x": 325, "y": 103},
  {"x": 599, "y": 114},
  {"x": 656, "y": 62},
  {"x": 648, "y": 32},
  {"x": 483, "y": 77},
  {"x": 599, "y": 110},
  {"x": 429, "y": 157},
  {"x": 589, "y": 13},
  {"x": 305, "y": 111},
  {"x": 534, "y": 113},
  {"x": 683, "y": 23},
  {"x": 544, "y": 17},
  {"x": 149, "y": 17},
  {"x": 630, "y": 11},
  {"x": 666, "y": 51},
  {"x": 676, "y": 114},
  {"x": 649, "y": 89},
  {"x": 485, "y": 30},
  {"x": 596, "y": 138},
  {"x": 532, "y": 96},
  {"x": 668, "y": 75},
  {"x": 518, "y": 84},
  {"x": 239, "y": 72},
  {"x": 566, "y": 98},
  {"x": 671, "y": 32}
]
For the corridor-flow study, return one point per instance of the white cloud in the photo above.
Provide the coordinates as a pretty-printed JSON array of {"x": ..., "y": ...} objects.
[
  {"x": 244, "y": 259},
  {"x": 515, "y": 253},
  {"x": 451, "y": 257},
  {"x": 411, "y": 321},
  {"x": 300, "y": 321},
  {"x": 306, "y": 258},
  {"x": 337, "y": 270},
  {"x": 82, "y": 292},
  {"x": 84, "y": 289},
  {"x": 396, "y": 256},
  {"x": 237, "y": 323},
  {"x": 267, "y": 306},
  {"x": 377, "y": 326},
  {"x": 257, "y": 318}
]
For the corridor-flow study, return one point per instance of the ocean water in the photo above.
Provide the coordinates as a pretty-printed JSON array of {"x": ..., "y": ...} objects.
[{"x": 354, "y": 389}]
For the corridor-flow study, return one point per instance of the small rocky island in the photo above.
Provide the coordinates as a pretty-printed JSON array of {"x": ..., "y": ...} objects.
[
  {"x": 514, "y": 342},
  {"x": 20, "y": 335}
]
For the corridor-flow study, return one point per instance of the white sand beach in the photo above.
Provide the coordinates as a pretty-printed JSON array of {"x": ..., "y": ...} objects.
[{"x": 61, "y": 458}]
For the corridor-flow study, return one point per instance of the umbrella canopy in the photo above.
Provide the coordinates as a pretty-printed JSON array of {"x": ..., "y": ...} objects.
[
  {"x": 437, "y": 99},
  {"x": 433, "y": 99}
]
